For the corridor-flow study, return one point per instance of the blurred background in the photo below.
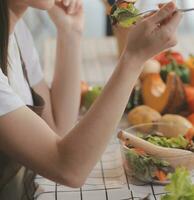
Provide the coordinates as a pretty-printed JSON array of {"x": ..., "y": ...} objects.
[{"x": 95, "y": 13}]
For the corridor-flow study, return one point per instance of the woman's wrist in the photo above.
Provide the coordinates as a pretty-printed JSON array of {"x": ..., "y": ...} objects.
[
  {"x": 129, "y": 67},
  {"x": 69, "y": 31},
  {"x": 136, "y": 59},
  {"x": 71, "y": 36}
]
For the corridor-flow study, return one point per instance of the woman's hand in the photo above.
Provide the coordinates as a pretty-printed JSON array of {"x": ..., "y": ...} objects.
[
  {"x": 67, "y": 15},
  {"x": 72, "y": 5},
  {"x": 155, "y": 33}
]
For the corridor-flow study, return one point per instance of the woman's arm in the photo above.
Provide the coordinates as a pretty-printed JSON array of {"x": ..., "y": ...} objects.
[
  {"x": 70, "y": 159},
  {"x": 63, "y": 98}
]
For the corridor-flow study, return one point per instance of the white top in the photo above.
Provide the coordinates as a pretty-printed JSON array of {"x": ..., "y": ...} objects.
[{"x": 14, "y": 91}]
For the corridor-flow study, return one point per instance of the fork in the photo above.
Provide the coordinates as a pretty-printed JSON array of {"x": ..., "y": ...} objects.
[{"x": 155, "y": 10}]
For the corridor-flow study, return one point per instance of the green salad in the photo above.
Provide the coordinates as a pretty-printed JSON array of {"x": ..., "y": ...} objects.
[
  {"x": 147, "y": 168},
  {"x": 124, "y": 13},
  {"x": 179, "y": 188},
  {"x": 179, "y": 142}
]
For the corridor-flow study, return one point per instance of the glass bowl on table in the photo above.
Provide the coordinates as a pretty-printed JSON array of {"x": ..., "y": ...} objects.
[{"x": 151, "y": 152}]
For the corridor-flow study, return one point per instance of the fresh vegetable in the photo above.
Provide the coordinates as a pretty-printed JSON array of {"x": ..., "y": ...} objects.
[
  {"x": 123, "y": 13},
  {"x": 190, "y": 134},
  {"x": 161, "y": 175},
  {"x": 166, "y": 57},
  {"x": 144, "y": 167},
  {"x": 175, "y": 142},
  {"x": 135, "y": 98},
  {"x": 191, "y": 118},
  {"x": 190, "y": 64},
  {"x": 91, "y": 96},
  {"x": 123, "y": 5},
  {"x": 189, "y": 91},
  {"x": 165, "y": 98},
  {"x": 147, "y": 168},
  {"x": 139, "y": 151},
  {"x": 143, "y": 114},
  {"x": 180, "y": 187},
  {"x": 151, "y": 66},
  {"x": 181, "y": 70},
  {"x": 175, "y": 125},
  {"x": 129, "y": 104},
  {"x": 190, "y": 61}
]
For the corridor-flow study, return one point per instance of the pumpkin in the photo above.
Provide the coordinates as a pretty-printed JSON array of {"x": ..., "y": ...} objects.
[
  {"x": 165, "y": 98},
  {"x": 179, "y": 103},
  {"x": 150, "y": 66}
]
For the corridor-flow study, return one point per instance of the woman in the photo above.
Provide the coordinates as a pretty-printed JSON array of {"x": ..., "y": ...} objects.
[{"x": 37, "y": 125}]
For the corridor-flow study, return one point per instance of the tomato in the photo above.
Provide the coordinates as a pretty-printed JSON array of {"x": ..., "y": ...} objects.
[{"x": 166, "y": 57}]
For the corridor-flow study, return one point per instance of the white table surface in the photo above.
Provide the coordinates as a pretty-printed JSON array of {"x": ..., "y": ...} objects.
[{"x": 108, "y": 180}]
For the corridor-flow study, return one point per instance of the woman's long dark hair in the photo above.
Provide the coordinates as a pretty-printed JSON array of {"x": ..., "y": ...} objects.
[{"x": 4, "y": 35}]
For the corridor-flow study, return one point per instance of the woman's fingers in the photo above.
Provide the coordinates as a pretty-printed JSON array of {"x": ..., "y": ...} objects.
[
  {"x": 165, "y": 12},
  {"x": 66, "y": 3},
  {"x": 78, "y": 6},
  {"x": 172, "y": 24},
  {"x": 160, "y": 5},
  {"x": 72, "y": 7},
  {"x": 168, "y": 30},
  {"x": 172, "y": 42}
]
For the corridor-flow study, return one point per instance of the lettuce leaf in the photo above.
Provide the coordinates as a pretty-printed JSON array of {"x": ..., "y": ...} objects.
[
  {"x": 181, "y": 187},
  {"x": 145, "y": 166},
  {"x": 177, "y": 142},
  {"x": 125, "y": 16}
]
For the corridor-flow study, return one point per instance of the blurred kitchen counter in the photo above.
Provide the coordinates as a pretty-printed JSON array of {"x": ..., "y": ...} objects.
[{"x": 99, "y": 57}]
